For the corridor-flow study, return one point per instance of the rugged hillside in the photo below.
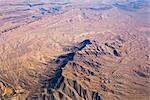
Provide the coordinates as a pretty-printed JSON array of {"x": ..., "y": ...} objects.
[
  {"x": 94, "y": 71},
  {"x": 89, "y": 70}
]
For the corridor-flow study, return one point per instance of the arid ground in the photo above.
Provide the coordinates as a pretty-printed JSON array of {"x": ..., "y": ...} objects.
[{"x": 74, "y": 50}]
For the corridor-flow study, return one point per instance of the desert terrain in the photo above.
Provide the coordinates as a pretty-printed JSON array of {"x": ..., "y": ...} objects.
[{"x": 74, "y": 50}]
